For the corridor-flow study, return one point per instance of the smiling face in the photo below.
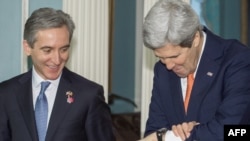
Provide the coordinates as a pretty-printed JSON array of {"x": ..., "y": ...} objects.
[
  {"x": 181, "y": 60},
  {"x": 50, "y": 52}
]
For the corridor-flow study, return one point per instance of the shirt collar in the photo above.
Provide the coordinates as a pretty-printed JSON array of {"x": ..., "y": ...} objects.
[
  {"x": 202, "y": 49},
  {"x": 37, "y": 79}
]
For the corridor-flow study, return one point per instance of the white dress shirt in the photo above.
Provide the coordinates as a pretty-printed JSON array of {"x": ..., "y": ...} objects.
[{"x": 50, "y": 91}]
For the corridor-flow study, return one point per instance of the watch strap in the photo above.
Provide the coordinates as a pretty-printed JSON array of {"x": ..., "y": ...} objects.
[{"x": 160, "y": 133}]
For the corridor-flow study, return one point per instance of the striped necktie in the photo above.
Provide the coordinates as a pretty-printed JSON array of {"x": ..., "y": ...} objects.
[{"x": 41, "y": 111}]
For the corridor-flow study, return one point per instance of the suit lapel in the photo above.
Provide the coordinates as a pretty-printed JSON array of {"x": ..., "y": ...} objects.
[
  {"x": 201, "y": 86},
  {"x": 206, "y": 73},
  {"x": 60, "y": 108},
  {"x": 177, "y": 97},
  {"x": 25, "y": 100}
]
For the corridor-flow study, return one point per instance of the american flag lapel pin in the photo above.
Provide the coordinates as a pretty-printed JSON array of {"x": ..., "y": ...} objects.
[
  {"x": 70, "y": 98},
  {"x": 210, "y": 74}
]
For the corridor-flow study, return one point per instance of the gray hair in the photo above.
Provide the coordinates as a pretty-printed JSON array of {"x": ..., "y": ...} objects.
[
  {"x": 46, "y": 18},
  {"x": 170, "y": 22}
]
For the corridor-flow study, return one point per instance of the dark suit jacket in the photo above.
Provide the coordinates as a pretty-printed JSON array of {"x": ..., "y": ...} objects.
[
  {"x": 86, "y": 119},
  {"x": 219, "y": 96}
]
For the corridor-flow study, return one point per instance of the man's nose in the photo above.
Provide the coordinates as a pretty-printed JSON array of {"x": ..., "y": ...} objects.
[
  {"x": 168, "y": 63},
  {"x": 56, "y": 58}
]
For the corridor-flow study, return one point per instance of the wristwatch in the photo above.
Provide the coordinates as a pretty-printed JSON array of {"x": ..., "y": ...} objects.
[{"x": 160, "y": 133}]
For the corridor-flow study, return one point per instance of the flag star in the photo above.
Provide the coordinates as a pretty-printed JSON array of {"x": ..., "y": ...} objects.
[{"x": 210, "y": 74}]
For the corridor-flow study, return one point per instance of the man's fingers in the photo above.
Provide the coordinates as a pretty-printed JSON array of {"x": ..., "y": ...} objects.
[
  {"x": 184, "y": 130},
  {"x": 178, "y": 131}
]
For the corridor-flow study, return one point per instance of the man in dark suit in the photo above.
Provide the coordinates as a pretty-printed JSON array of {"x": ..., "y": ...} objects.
[
  {"x": 221, "y": 70},
  {"x": 75, "y": 108}
]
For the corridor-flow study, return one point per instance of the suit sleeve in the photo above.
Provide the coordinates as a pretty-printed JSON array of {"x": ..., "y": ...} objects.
[
  {"x": 99, "y": 124},
  {"x": 156, "y": 118}
]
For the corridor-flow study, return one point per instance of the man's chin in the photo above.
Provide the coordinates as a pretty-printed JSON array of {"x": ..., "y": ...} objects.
[
  {"x": 52, "y": 76},
  {"x": 181, "y": 75}
]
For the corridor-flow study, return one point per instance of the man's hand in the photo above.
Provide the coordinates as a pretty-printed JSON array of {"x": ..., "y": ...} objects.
[
  {"x": 151, "y": 137},
  {"x": 180, "y": 130},
  {"x": 183, "y": 130}
]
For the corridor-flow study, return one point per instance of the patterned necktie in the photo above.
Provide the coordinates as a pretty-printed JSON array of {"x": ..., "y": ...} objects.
[
  {"x": 190, "y": 82},
  {"x": 41, "y": 111}
]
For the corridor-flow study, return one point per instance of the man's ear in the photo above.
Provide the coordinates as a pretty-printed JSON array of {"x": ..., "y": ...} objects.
[
  {"x": 26, "y": 48},
  {"x": 197, "y": 38}
]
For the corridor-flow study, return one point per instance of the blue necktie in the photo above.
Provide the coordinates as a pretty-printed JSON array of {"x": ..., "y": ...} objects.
[{"x": 41, "y": 111}]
